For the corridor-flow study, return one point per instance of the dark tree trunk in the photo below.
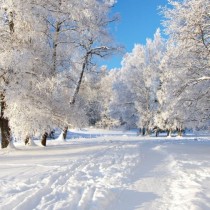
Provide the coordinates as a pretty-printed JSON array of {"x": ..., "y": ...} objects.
[
  {"x": 79, "y": 82},
  {"x": 55, "y": 46},
  {"x": 44, "y": 139},
  {"x": 4, "y": 123},
  {"x": 179, "y": 132},
  {"x": 11, "y": 23},
  {"x": 5, "y": 133},
  {"x": 143, "y": 131},
  {"x": 157, "y": 132},
  {"x": 26, "y": 140},
  {"x": 65, "y": 130}
]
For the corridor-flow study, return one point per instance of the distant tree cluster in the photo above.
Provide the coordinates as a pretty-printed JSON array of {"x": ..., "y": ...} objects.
[{"x": 165, "y": 84}]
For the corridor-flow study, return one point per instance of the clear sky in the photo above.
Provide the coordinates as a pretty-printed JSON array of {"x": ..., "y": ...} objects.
[{"x": 139, "y": 20}]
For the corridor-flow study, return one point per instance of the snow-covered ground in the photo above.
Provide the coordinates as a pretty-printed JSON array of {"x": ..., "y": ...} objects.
[{"x": 113, "y": 173}]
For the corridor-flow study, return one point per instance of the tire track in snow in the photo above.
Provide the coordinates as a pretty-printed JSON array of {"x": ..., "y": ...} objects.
[
  {"x": 96, "y": 179},
  {"x": 85, "y": 183}
]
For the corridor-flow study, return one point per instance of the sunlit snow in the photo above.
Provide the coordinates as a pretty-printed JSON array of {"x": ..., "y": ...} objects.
[{"x": 120, "y": 172}]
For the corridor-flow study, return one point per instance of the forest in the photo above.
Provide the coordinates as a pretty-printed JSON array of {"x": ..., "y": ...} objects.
[{"x": 51, "y": 77}]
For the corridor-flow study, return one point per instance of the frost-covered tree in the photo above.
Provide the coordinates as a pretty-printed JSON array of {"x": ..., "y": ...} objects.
[
  {"x": 140, "y": 81},
  {"x": 46, "y": 47},
  {"x": 18, "y": 56},
  {"x": 105, "y": 97},
  {"x": 185, "y": 88},
  {"x": 122, "y": 106},
  {"x": 78, "y": 33},
  {"x": 98, "y": 94}
]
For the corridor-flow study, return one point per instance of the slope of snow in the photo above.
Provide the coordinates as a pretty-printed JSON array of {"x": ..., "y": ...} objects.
[{"x": 120, "y": 173}]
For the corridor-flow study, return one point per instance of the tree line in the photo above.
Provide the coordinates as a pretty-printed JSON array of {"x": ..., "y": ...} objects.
[
  {"x": 49, "y": 75},
  {"x": 165, "y": 84},
  {"x": 46, "y": 46}
]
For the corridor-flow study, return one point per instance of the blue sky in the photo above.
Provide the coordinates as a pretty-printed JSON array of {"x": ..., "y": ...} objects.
[{"x": 139, "y": 20}]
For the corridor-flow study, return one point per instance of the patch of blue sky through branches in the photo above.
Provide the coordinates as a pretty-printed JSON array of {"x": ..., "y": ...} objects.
[{"x": 138, "y": 21}]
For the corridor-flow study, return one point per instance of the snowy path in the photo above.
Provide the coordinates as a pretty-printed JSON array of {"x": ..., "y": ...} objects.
[
  {"x": 115, "y": 175},
  {"x": 170, "y": 176}
]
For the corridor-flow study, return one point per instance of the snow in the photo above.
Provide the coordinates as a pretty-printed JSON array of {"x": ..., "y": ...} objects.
[{"x": 107, "y": 172}]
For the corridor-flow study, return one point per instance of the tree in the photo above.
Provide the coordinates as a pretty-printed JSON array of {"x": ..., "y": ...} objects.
[
  {"x": 47, "y": 46},
  {"x": 15, "y": 35},
  {"x": 105, "y": 98},
  {"x": 81, "y": 27},
  {"x": 140, "y": 80},
  {"x": 92, "y": 38},
  {"x": 186, "y": 81},
  {"x": 122, "y": 106}
]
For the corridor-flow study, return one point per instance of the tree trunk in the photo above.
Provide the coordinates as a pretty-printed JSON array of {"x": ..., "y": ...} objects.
[
  {"x": 143, "y": 131},
  {"x": 65, "y": 130},
  {"x": 179, "y": 132},
  {"x": 5, "y": 133},
  {"x": 44, "y": 139},
  {"x": 4, "y": 123},
  {"x": 76, "y": 91},
  {"x": 157, "y": 132},
  {"x": 168, "y": 132},
  {"x": 55, "y": 45},
  {"x": 11, "y": 23},
  {"x": 27, "y": 140}
]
